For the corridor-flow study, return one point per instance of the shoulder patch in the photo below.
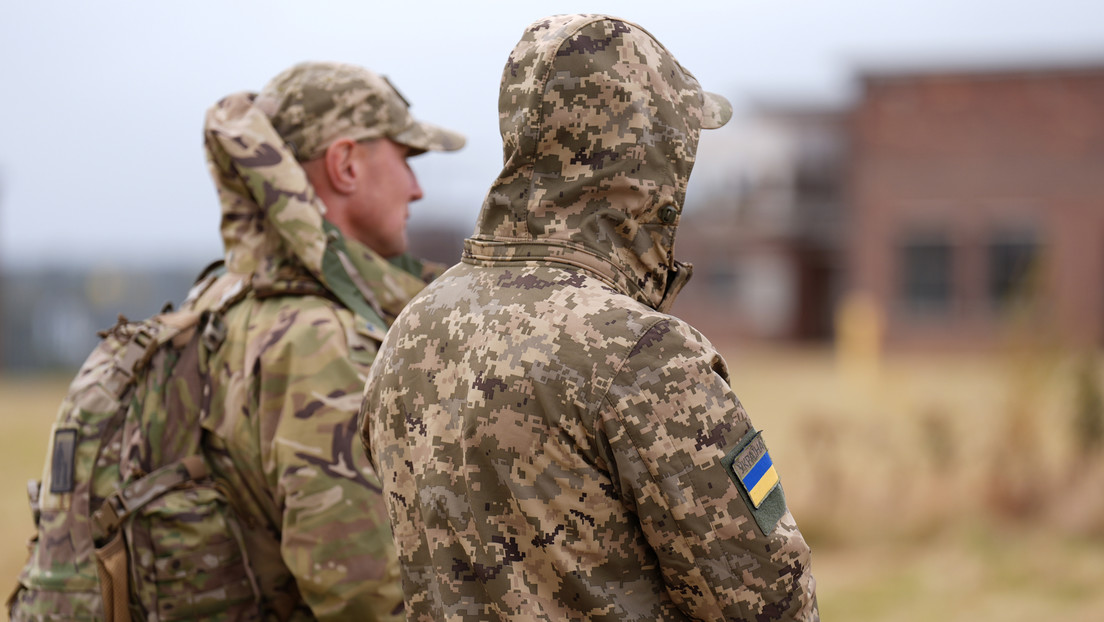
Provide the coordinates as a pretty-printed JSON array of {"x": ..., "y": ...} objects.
[{"x": 749, "y": 465}]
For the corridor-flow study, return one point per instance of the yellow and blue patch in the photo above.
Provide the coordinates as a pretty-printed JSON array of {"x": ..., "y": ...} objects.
[
  {"x": 761, "y": 477},
  {"x": 749, "y": 464}
]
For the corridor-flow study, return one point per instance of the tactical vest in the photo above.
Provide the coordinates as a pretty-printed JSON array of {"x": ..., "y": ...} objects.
[{"x": 130, "y": 522}]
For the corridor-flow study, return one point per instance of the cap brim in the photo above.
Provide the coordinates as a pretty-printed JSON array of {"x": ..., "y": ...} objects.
[
  {"x": 716, "y": 111},
  {"x": 421, "y": 137}
]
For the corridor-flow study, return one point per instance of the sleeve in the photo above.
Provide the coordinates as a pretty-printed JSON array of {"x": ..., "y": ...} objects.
[
  {"x": 336, "y": 539},
  {"x": 691, "y": 466}
]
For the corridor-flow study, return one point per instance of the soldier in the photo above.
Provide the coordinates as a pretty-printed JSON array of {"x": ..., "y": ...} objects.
[
  {"x": 292, "y": 368},
  {"x": 551, "y": 442},
  {"x": 314, "y": 185}
]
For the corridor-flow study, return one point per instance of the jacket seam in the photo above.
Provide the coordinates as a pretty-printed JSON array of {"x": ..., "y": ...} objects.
[{"x": 546, "y": 259}]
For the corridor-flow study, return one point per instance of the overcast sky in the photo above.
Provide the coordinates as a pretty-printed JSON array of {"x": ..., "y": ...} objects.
[{"x": 102, "y": 103}]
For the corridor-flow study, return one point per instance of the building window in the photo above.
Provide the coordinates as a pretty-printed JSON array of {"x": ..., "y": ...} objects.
[
  {"x": 723, "y": 278},
  {"x": 925, "y": 273},
  {"x": 1012, "y": 258}
]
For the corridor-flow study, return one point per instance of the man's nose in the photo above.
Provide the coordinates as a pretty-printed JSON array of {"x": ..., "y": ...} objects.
[{"x": 415, "y": 188}]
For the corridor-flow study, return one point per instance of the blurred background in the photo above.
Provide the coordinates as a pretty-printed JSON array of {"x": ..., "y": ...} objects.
[{"x": 898, "y": 246}]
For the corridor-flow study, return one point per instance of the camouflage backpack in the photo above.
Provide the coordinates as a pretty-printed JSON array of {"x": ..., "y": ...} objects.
[{"x": 130, "y": 523}]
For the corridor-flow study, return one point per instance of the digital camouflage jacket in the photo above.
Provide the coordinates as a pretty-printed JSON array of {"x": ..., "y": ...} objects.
[
  {"x": 287, "y": 380},
  {"x": 552, "y": 444}
]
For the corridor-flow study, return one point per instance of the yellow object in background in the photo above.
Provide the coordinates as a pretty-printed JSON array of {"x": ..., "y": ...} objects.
[{"x": 860, "y": 328}]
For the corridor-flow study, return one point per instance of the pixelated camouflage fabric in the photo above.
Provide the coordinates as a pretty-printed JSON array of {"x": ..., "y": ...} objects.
[
  {"x": 599, "y": 127},
  {"x": 550, "y": 442},
  {"x": 311, "y": 104}
]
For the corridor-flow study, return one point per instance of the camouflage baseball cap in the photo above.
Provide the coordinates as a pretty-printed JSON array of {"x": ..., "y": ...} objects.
[{"x": 314, "y": 103}]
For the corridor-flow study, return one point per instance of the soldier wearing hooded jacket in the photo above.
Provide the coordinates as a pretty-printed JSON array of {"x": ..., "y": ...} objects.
[
  {"x": 329, "y": 222},
  {"x": 314, "y": 185},
  {"x": 551, "y": 442}
]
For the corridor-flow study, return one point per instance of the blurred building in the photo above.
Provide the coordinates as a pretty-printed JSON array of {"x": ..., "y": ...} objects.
[
  {"x": 943, "y": 208},
  {"x": 976, "y": 203},
  {"x": 767, "y": 240}
]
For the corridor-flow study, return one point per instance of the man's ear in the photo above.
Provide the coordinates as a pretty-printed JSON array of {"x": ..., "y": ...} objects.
[{"x": 340, "y": 163}]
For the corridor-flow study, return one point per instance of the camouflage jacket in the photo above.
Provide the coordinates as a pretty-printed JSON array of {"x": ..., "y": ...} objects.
[
  {"x": 287, "y": 379},
  {"x": 551, "y": 443}
]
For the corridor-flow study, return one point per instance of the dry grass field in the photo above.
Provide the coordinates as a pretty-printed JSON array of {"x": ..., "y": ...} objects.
[{"x": 932, "y": 487}]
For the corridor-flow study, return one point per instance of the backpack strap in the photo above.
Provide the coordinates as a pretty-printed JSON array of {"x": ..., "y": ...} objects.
[
  {"x": 150, "y": 335},
  {"x": 122, "y": 503},
  {"x": 139, "y": 348},
  {"x": 110, "y": 545}
]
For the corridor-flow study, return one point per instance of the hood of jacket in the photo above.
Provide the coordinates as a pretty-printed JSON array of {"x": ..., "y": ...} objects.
[
  {"x": 599, "y": 127},
  {"x": 273, "y": 228}
]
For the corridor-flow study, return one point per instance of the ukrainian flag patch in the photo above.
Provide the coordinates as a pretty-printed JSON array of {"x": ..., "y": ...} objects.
[{"x": 750, "y": 466}]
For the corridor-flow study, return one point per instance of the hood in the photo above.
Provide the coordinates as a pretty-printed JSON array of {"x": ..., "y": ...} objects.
[
  {"x": 599, "y": 128},
  {"x": 272, "y": 224}
]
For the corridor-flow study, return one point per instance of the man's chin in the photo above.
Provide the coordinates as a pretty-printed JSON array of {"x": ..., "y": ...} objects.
[{"x": 395, "y": 250}]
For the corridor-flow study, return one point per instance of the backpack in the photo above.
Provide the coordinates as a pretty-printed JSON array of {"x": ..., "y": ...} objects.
[{"x": 130, "y": 522}]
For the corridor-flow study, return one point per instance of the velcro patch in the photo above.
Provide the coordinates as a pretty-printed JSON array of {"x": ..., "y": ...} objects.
[
  {"x": 62, "y": 460},
  {"x": 749, "y": 465},
  {"x": 754, "y": 468}
]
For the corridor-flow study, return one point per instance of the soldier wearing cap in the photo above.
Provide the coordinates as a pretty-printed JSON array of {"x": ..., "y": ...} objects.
[
  {"x": 552, "y": 443},
  {"x": 315, "y": 190}
]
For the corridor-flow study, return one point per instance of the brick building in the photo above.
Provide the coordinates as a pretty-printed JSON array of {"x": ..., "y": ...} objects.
[
  {"x": 767, "y": 234},
  {"x": 953, "y": 205},
  {"x": 978, "y": 196}
]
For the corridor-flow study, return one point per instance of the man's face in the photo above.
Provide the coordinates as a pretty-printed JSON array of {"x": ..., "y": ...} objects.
[{"x": 380, "y": 206}]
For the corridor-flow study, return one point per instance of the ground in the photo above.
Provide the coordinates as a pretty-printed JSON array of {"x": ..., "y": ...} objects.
[{"x": 931, "y": 487}]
